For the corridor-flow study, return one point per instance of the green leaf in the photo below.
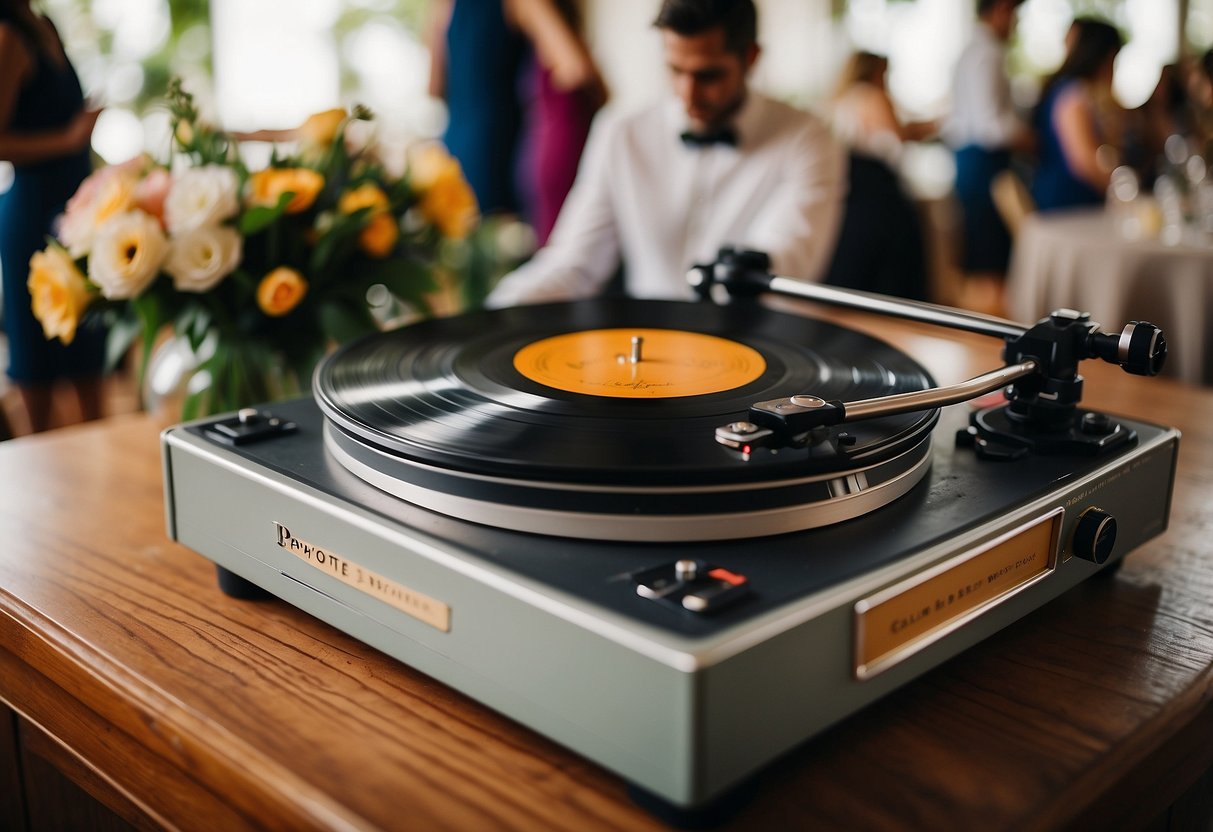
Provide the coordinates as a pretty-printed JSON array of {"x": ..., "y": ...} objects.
[
  {"x": 408, "y": 280},
  {"x": 343, "y": 322},
  {"x": 152, "y": 319},
  {"x": 122, "y": 333},
  {"x": 337, "y": 244},
  {"x": 260, "y": 217}
]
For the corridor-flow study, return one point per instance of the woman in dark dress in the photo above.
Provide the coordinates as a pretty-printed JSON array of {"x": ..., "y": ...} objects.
[
  {"x": 1068, "y": 121},
  {"x": 45, "y": 130}
]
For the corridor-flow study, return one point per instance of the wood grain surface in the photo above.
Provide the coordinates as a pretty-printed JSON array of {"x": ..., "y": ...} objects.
[{"x": 192, "y": 710}]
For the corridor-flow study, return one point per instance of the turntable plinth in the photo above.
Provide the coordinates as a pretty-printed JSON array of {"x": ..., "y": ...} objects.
[{"x": 170, "y": 703}]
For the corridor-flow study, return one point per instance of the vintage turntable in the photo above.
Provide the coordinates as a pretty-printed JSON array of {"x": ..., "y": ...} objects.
[{"x": 678, "y": 538}]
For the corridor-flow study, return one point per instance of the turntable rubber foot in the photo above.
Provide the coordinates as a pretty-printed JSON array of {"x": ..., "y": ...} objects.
[
  {"x": 237, "y": 587},
  {"x": 705, "y": 816}
]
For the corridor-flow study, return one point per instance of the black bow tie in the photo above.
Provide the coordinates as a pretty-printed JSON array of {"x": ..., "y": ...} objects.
[{"x": 718, "y": 135}]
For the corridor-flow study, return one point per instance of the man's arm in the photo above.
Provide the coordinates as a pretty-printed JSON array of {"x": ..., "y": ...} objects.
[
  {"x": 583, "y": 250},
  {"x": 798, "y": 226}
]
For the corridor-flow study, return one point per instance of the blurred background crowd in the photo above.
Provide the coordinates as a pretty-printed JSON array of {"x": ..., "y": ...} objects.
[{"x": 1110, "y": 97}]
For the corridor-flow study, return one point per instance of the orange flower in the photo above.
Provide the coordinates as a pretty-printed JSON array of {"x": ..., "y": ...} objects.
[
  {"x": 267, "y": 186},
  {"x": 321, "y": 128},
  {"x": 379, "y": 236},
  {"x": 451, "y": 206},
  {"x": 368, "y": 195},
  {"x": 447, "y": 200},
  {"x": 380, "y": 233},
  {"x": 59, "y": 292},
  {"x": 280, "y": 291}
]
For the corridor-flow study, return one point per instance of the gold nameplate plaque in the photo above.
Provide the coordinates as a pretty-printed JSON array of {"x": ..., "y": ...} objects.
[
  {"x": 902, "y": 619},
  {"x": 409, "y": 601},
  {"x": 658, "y": 364}
]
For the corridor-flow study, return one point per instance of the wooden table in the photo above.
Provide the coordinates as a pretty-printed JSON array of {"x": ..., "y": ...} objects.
[{"x": 135, "y": 681}]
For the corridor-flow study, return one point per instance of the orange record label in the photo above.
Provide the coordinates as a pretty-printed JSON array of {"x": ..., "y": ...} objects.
[{"x": 639, "y": 363}]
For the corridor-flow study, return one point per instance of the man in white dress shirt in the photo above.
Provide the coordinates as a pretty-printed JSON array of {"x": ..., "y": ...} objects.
[
  {"x": 665, "y": 188},
  {"x": 983, "y": 130}
]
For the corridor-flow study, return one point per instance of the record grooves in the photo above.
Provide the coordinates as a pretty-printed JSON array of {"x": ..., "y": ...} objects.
[{"x": 440, "y": 414}]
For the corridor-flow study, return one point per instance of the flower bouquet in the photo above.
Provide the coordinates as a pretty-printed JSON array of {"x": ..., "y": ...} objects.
[{"x": 260, "y": 271}]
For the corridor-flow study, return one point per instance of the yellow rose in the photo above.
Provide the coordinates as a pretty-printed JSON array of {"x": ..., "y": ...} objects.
[
  {"x": 280, "y": 291},
  {"x": 380, "y": 233},
  {"x": 379, "y": 236},
  {"x": 447, "y": 200},
  {"x": 364, "y": 196},
  {"x": 451, "y": 206},
  {"x": 267, "y": 186},
  {"x": 321, "y": 128},
  {"x": 429, "y": 162},
  {"x": 59, "y": 292}
]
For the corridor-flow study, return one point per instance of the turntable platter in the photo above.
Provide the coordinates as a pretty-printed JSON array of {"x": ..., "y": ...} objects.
[{"x": 523, "y": 411}]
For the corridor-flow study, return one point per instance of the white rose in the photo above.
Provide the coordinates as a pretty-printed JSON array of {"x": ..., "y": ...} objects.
[
  {"x": 200, "y": 258},
  {"x": 201, "y": 196},
  {"x": 127, "y": 254}
]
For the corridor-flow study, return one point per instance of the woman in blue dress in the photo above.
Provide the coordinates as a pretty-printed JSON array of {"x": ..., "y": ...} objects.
[
  {"x": 1068, "y": 121},
  {"x": 45, "y": 129},
  {"x": 478, "y": 55}
]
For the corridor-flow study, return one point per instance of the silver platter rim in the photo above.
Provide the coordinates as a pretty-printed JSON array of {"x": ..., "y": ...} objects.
[{"x": 845, "y": 496}]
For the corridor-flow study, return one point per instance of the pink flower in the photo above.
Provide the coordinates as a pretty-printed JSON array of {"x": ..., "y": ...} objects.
[{"x": 151, "y": 192}]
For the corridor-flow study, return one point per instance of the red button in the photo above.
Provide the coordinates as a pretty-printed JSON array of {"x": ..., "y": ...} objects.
[{"x": 728, "y": 577}]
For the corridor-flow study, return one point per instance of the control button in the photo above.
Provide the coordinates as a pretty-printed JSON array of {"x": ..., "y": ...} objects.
[
  {"x": 714, "y": 596},
  {"x": 692, "y": 585},
  {"x": 1094, "y": 535},
  {"x": 686, "y": 570},
  {"x": 249, "y": 425}
]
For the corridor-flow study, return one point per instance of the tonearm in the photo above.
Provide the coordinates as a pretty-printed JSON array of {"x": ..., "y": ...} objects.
[{"x": 1043, "y": 386}]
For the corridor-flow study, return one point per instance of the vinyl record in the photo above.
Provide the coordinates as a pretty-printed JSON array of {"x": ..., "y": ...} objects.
[{"x": 547, "y": 409}]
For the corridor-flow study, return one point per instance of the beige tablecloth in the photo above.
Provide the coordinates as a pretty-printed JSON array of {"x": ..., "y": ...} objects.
[{"x": 1079, "y": 260}]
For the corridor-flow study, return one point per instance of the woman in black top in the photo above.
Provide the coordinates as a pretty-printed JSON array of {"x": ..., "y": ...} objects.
[{"x": 45, "y": 129}]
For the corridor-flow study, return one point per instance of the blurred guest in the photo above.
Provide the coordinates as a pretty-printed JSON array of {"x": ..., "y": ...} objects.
[
  {"x": 1198, "y": 84},
  {"x": 880, "y": 244},
  {"x": 719, "y": 164},
  {"x": 555, "y": 125},
  {"x": 1167, "y": 112},
  {"x": 984, "y": 130},
  {"x": 479, "y": 51},
  {"x": 45, "y": 128},
  {"x": 862, "y": 112},
  {"x": 1070, "y": 172}
]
